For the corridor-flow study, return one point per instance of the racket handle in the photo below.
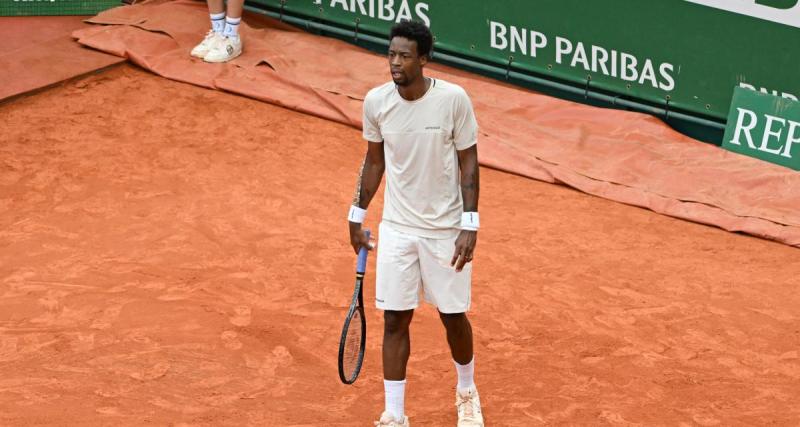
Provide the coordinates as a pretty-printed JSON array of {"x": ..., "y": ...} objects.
[{"x": 361, "y": 267}]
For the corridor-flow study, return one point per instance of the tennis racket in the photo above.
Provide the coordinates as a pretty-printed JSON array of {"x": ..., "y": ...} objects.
[{"x": 354, "y": 331}]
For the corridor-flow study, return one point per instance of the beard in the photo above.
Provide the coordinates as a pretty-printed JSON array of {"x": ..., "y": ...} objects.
[{"x": 402, "y": 80}]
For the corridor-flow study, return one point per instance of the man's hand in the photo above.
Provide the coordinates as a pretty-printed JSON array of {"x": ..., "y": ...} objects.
[
  {"x": 358, "y": 238},
  {"x": 465, "y": 245}
]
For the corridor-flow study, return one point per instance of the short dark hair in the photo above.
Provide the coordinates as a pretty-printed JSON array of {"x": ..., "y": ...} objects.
[{"x": 416, "y": 31}]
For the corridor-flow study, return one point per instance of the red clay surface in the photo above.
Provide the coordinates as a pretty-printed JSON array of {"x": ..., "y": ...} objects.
[
  {"x": 171, "y": 255},
  {"x": 38, "y": 51},
  {"x": 16, "y": 34}
]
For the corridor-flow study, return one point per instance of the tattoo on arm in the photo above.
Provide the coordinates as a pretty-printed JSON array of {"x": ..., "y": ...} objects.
[
  {"x": 470, "y": 186},
  {"x": 366, "y": 196},
  {"x": 469, "y": 182},
  {"x": 357, "y": 195},
  {"x": 369, "y": 178}
]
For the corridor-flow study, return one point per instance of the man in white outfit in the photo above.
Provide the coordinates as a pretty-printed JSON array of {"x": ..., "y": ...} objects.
[{"x": 422, "y": 133}]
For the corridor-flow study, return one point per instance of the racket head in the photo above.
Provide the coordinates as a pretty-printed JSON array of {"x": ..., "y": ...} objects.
[
  {"x": 352, "y": 343},
  {"x": 354, "y": 332}
]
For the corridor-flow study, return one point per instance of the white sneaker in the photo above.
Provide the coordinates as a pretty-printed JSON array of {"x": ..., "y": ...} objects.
[
  {"x": 224, "y": 50},
  {"x": 469, "y": 408},
  {"x": 201, "y": 50},
  {"x": 387, "y": 420}
]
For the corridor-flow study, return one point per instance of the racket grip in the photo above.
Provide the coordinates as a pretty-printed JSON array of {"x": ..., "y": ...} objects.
[{"x": 361, "y": 267}]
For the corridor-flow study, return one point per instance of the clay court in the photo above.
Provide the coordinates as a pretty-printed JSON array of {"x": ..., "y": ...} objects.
[{"x": 175, "y": 255}]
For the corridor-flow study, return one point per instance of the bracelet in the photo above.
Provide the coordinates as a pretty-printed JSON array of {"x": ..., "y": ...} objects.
[
  {"x": 470, "y": 221},
  {"x": 356, "y": 214}
]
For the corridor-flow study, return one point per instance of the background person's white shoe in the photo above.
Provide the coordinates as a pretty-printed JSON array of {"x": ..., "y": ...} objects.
[
  {"x": 468, "y": 405},
  {"x": 224, "y": 50},
  {"x": 387, "y": 420},
  {"x": 202, "y": 49}
]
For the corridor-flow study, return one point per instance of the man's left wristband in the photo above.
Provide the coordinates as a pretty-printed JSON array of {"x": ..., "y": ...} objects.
[
  {"x": 470, "y": 221},
  {"x": 356, "y": 214}
]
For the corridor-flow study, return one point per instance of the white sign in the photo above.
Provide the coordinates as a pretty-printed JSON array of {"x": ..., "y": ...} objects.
[
  {"x": 787, "y": 16},
  {"x": 385, "y": 10},
  {"x": 576, "y": 54}
]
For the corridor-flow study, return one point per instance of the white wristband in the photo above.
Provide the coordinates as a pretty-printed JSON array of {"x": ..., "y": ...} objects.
[
  {"x": 356, "y": 214},
  {"x": 470, "y": 221}
]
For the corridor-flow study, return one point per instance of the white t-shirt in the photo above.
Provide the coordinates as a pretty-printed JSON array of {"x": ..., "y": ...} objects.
[{"x": 420, "y": 138}]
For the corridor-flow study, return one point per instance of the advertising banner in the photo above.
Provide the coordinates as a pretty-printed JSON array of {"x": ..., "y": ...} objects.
[
  {"x": 684, "y": 53},
  {"x": 764, "y": 126},
  {"x": 55, "y": 7}
]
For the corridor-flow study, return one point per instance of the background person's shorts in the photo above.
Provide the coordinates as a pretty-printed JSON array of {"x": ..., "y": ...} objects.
[{"x": 408, "y": 265}]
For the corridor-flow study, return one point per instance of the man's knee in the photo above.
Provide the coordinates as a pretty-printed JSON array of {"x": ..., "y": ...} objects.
[
  {"x": 397, "y": 322},
  {"x": 454, "y": 321}
]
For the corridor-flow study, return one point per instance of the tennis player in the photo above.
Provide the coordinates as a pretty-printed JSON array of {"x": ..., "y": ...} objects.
[
  {"x": 222, "y": 42},
  {"x": 422, "y": 134}
]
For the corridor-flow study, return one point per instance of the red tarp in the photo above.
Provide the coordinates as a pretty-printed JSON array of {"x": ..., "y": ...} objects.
[{"x": 627, "y": 157}]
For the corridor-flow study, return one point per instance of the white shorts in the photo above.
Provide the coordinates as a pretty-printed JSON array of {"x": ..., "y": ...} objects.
[{"x": 408, "y": 265}]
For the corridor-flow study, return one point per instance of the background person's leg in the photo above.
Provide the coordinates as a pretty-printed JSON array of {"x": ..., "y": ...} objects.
[
  {"x": 230, "y": 45},
  {"x": 235, "y": 8},
  {"x": 216, "y": 11},
  {"x": 216, "y": 7},
  {"x": 233, "y": 19}
]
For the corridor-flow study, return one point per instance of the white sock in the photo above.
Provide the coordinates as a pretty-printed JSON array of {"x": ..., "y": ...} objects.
[
  {"x": 395, "y": 396},
  {"x": 466, "y": 374},
  {"x": 232, "y": 27},
  {"x": 218, "y": 22}
]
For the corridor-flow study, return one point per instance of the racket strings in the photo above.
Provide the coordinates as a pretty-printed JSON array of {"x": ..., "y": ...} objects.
[{"x": 352, "y": 346}]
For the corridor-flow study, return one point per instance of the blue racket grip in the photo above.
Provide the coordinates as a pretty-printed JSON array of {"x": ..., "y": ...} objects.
[{"x": 361, "y": 267}]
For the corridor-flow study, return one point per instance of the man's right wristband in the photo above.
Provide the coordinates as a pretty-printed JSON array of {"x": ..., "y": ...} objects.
[{"x": 356, "y": 214}]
